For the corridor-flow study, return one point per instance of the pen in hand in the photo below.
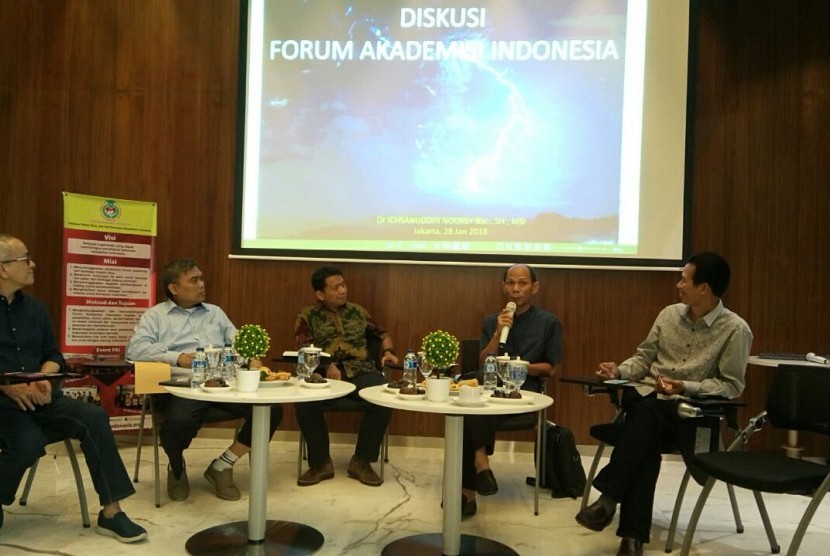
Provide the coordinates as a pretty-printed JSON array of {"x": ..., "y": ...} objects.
[{"x": 658, "y": 379}]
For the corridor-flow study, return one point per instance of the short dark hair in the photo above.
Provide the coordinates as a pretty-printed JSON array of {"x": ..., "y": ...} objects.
[
  {"x": 318, "y": 279},
  {"x": 527, "y": 266},
  {"x": 171, "y": 272},
  {"x": 712, "y": 269}
]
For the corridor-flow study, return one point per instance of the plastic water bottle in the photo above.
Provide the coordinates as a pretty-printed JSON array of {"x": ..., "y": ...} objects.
[
  {"x": 228, "y": 367},
  {"x": 199, "y": 368},
  {"x": 410, "y": 368},
  {"x": 491, "y": 373}
]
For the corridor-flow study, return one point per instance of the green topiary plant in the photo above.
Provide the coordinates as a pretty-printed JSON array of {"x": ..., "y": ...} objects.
[
  {"x": 440, "y": 350},
  {"x": 251, "y": 342}
]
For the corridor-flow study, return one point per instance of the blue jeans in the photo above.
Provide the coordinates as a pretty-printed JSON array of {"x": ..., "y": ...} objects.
[{"x": 25, "y": 434}]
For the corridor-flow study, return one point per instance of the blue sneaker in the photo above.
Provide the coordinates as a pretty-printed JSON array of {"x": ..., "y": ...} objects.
[{"x": 120, "y": 527}]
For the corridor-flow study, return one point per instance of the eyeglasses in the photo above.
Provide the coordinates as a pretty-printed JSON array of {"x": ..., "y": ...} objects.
[{"x": 27, "y": 258}]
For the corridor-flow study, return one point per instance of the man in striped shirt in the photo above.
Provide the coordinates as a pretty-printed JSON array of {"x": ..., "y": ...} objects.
[{"x": 695, "y": 348}]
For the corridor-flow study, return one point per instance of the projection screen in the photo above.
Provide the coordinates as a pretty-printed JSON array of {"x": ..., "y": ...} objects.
[{"x": 544, "y": 131}]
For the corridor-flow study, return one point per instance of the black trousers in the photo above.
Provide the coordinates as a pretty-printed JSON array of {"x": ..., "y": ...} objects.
[
  {"x": 479, "y": 432},
  {"x": 25, "y": 434},
  {"x": 183, "y": 419},
  {"x": 311, "y": 418},
  {"x": 630, "y": 478}
]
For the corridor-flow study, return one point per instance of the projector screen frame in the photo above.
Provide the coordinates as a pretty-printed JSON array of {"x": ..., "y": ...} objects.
[{"x": 454, "y": 257}]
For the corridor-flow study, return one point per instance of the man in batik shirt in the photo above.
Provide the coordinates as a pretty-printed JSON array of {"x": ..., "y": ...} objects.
[{"x": 342, "y": 329}]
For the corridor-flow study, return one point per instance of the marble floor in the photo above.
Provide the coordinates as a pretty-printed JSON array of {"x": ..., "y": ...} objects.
[{"x": 359, "y": 520}]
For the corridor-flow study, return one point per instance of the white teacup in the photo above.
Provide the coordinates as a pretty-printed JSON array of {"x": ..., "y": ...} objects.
[
  {"x": 469, "y": 394},
  {"x": 438, "y": 389},
  {"x": 247, "y": 380}
]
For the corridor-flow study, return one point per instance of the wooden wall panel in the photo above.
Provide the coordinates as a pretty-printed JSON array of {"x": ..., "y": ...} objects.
[{"x": 137, "y": 99}]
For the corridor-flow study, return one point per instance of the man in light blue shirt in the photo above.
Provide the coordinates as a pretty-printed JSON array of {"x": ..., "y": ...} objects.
[{"x": 170, "y": 332}]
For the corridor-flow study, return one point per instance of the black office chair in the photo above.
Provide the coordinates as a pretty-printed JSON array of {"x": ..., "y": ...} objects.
[
  {"x": 469, "y": 352},
  {"x": 79, "y": 482},
  {"x": 346, "y": 405},
  {"x": 797, "y": 400},
  {"x": 608, "y": 434}
]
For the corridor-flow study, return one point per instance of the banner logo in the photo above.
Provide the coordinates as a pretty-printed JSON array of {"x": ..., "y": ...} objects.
[{"x": 110, "y": 209}]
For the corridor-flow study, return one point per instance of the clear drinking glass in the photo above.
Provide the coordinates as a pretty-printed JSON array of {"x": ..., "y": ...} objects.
[
  {"x": 518, "y": 373},
  {"x": 301, "y": 368},
  {"x": 241, "y": 361},
  {"x": 213, "y": 355},
  {"x": 423, "y": 365},
  {"x": 308, "y": 359},
  {"x": 504, "y": 375}
]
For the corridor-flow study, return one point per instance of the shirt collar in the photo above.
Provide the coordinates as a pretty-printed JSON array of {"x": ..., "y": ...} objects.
[
  {"x": 526, "y": 314},
  {"x": 321, "y": 306},
  {"x": 170, "y": 305},
  {"x": 710, "y": 317},
  {"x": 16, "y": 297}
]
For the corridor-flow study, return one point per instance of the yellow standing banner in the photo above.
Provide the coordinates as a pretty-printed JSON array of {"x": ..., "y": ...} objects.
[{"x": 109, "y": 278}]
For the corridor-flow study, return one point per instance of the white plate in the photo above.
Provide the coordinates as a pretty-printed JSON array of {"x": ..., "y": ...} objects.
[
  {"x": 275, "y": 383},
  {"x": 216, "y": 389},
  {"x": 480, "y": 403},
  {"x": 510, "y": 401},
  {"x": 288, "y": 354},
  {"x": 411, "y": 397},
  {"x": 305, "y": 384}
]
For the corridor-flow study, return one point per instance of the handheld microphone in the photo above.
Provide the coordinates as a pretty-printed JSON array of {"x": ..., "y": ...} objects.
[
  {"x": 813, "y": 358},
  {"x": 506, "y": 330}
]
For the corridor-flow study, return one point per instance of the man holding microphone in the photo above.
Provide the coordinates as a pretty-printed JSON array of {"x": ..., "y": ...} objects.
[{"x": 520, "y": 329}]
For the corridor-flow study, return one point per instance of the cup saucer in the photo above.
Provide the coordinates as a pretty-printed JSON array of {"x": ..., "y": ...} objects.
[{"x": 478, "y": 403}]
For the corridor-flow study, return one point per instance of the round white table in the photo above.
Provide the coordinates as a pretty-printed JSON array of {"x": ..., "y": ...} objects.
[
  {"x": 791, "y": 448},
  {"x": 450, "y": 541},
  {"x": 257, "y": 535}
]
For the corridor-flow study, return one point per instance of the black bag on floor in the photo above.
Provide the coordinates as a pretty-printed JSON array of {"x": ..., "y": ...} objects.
[{"x": 563, "y": 472}]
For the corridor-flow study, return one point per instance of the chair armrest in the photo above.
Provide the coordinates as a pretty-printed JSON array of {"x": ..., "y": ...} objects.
[
  {"x": 754, "y": 425},
  {"x": 593, "y": 385},
  {"x": 715, "y": 407},
  {"x": 712, "y": 402}
]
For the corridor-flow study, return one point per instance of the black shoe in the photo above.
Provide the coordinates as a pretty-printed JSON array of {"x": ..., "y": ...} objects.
[
  {"x": 630, "y": 547},
  {"x": 486, "y": 484},
  {"x": 467, "y": 508},
  {"x": 594, "y": 517},
  {"x": 120, "y": 527}
]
